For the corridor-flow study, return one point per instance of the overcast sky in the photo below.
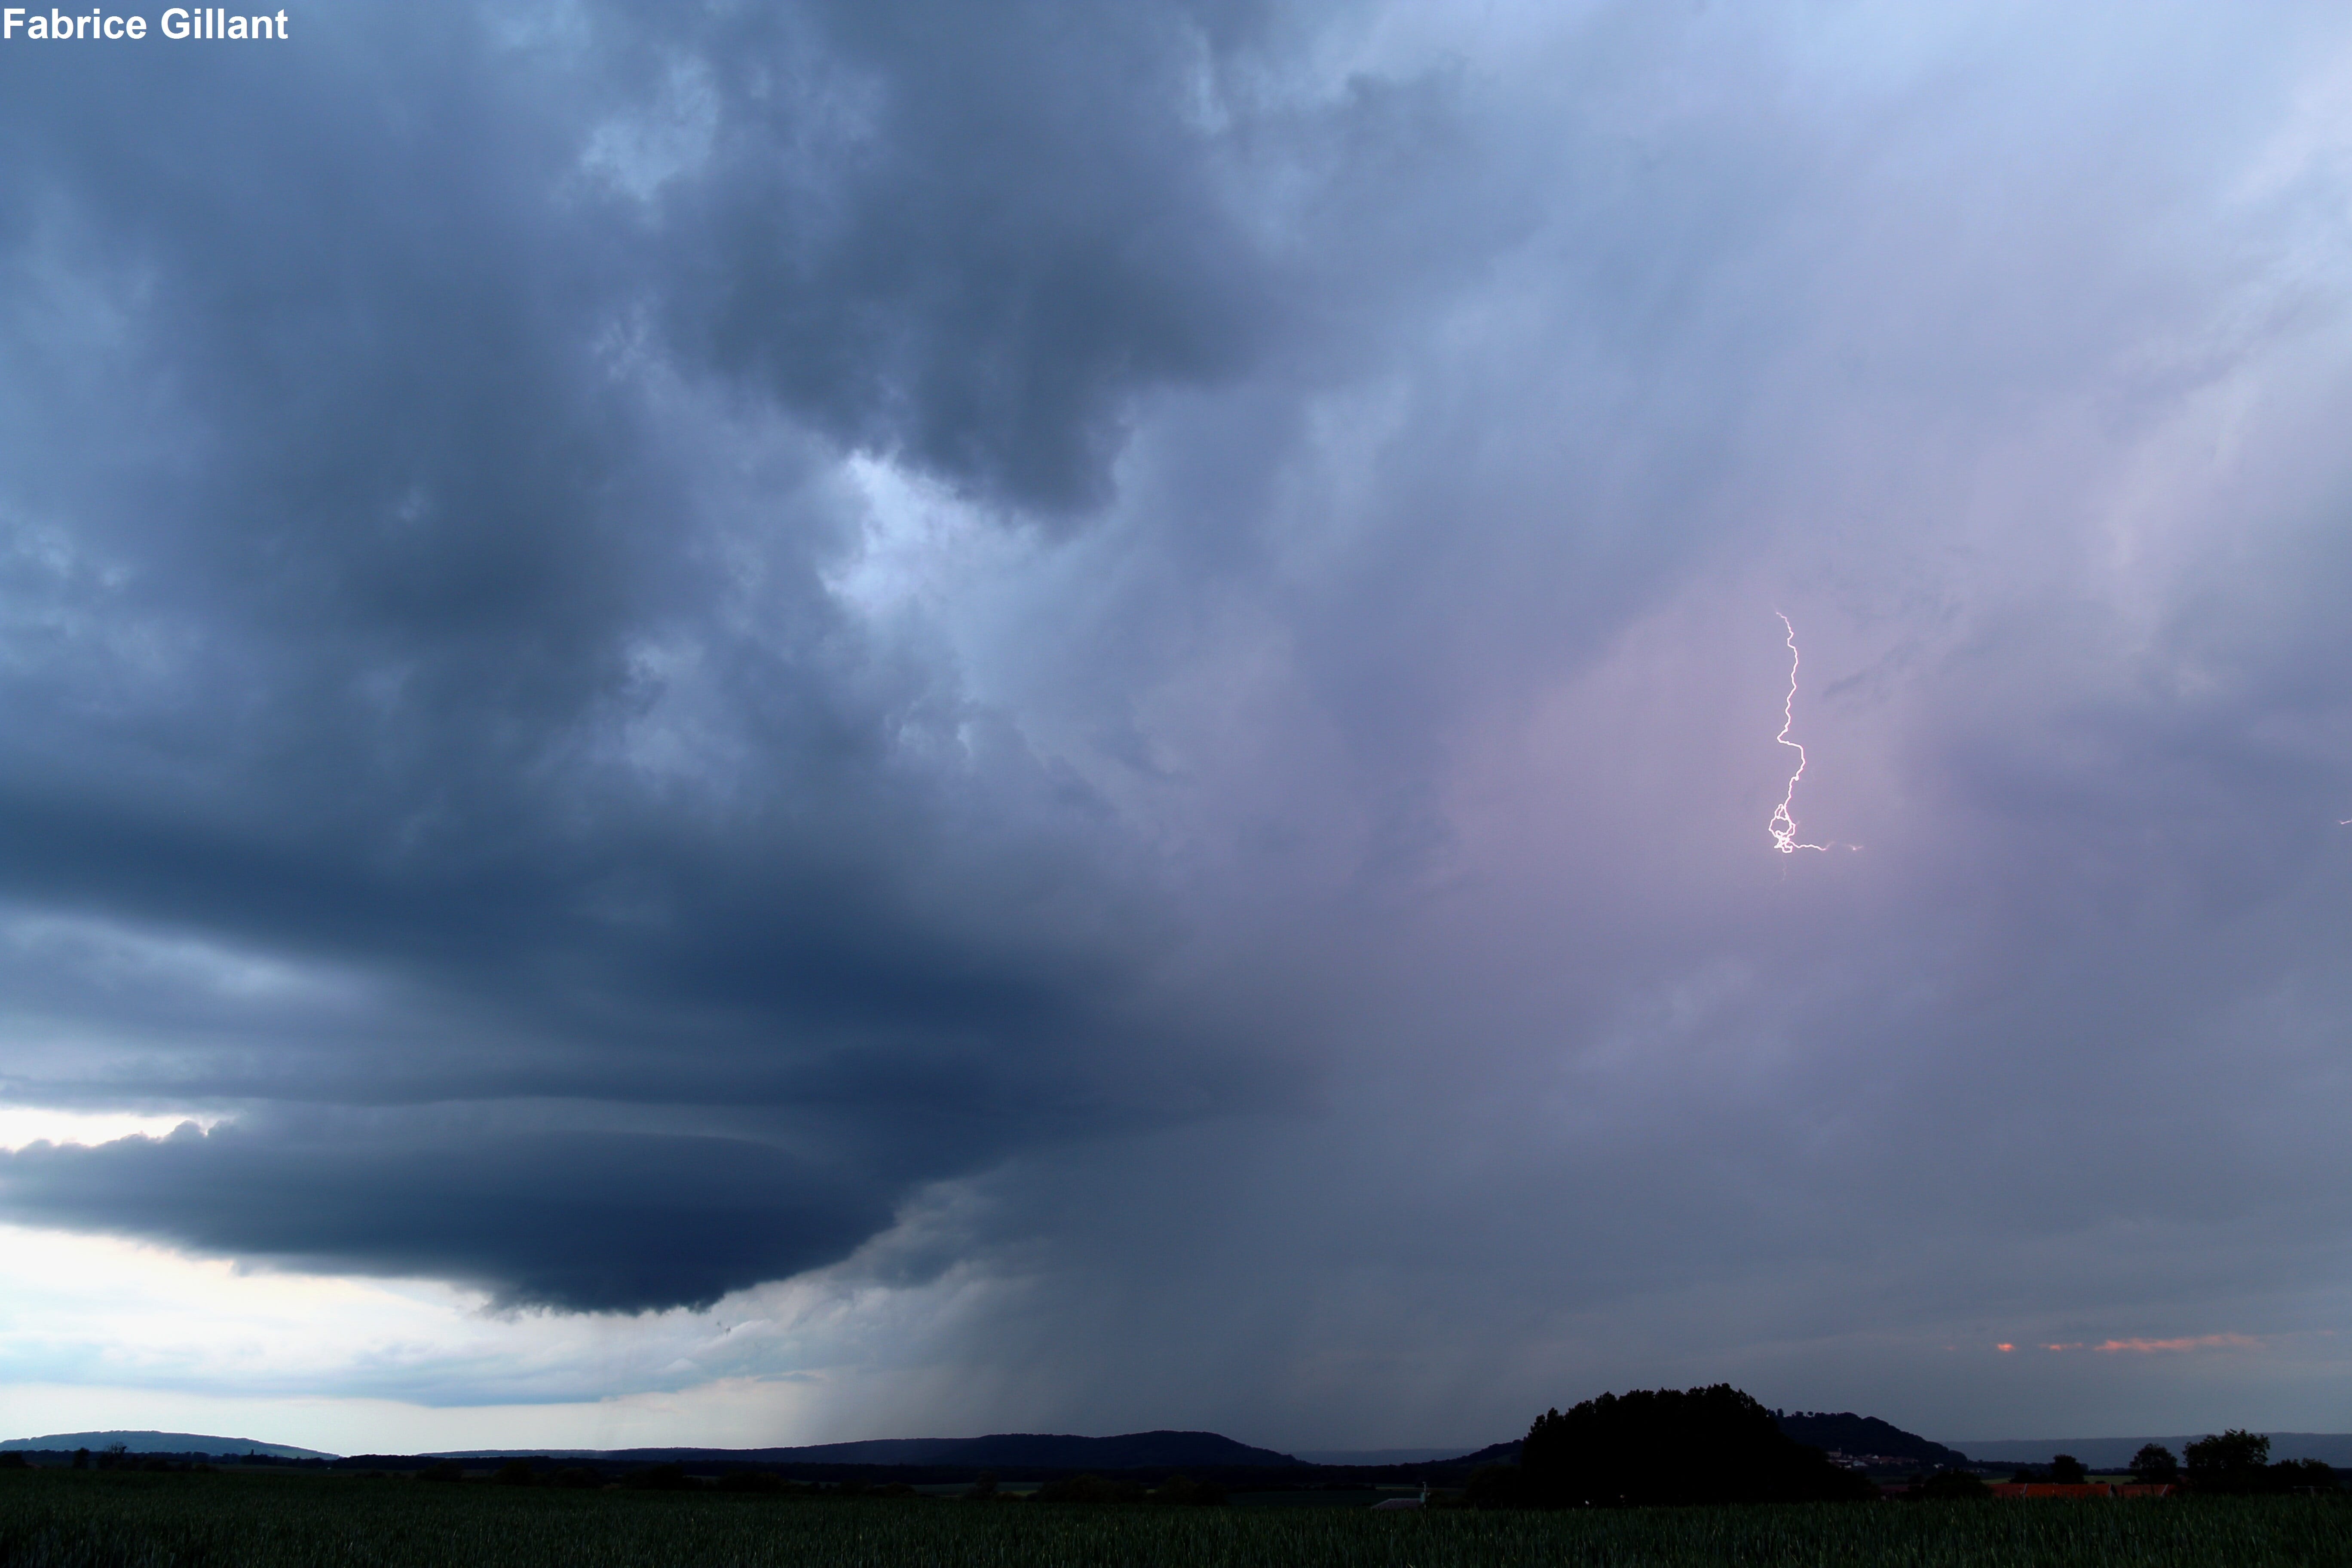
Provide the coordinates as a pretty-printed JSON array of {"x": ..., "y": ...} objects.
[{"x": 754, "y": 723}]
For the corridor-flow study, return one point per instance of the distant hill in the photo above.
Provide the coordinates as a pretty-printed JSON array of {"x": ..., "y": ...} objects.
[
  {"x": 161, "y": 1443},
  {"x": 1376, "y": 1457},
  {"x": 1493, "y": 1454},
  {"x": 1843, "y": 1433},
  {"x": 2115, "y": 1453},
  {"x": 1134, "y": 1451},
  {"x": 1858, "y": 1437}
]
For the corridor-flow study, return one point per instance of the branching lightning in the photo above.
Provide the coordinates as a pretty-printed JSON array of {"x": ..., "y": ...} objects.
[{"x": 1783, "y": 827}]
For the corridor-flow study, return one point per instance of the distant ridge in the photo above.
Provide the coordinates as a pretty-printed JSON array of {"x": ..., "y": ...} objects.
[
  {"x": 1376, "y": 1457},
  {"x": 1859, "y": 1436},
  {"x": 161, "y": 1443},
  {"x": 1494, "y": 1454},
  {"x": 1845, "y": 1433},
  {"x": 1133, "y": 1451},
  {"x": 2115, "y": 1453}
]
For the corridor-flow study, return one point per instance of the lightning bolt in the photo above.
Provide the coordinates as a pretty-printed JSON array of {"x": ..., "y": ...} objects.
[{"x": 1783, "y": 827}]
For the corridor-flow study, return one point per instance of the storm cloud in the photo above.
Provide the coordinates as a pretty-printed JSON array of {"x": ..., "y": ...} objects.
[
  {"x": 609, "y": 1221},
  {"x": 419, "y": 569},
  {"x": 1134, "y": 651}
]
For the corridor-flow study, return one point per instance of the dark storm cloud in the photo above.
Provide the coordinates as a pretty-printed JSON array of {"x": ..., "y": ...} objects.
[
  {"x": 592, "y": 1221},
  {"x": 420, "y": 497},
  {"x": 1145, "y": 637},
  {"x": 1033, "y": 230},
  {"x": 1996, "y": 355}
]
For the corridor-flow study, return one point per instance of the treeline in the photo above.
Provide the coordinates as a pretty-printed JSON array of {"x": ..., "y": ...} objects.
[
  {"x": 1718, "y": 1444},
  {"x": 115, "y": 1457},
  {"x": 2235, "y": 1463},
  {"x": 1659, "y": 1446},
  {"x": 1177, "y": 1489},
  {"x": 663, "y": 1477}
]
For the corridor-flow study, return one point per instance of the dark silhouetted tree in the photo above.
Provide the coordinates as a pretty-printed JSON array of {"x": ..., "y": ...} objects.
[
  {"x": 1704, "y": 1445},
  {"x": 2153, "y": 1466},
  {"x": 1087, "y": 1489},
  {"x": 1952, "y": 1485},
  {"x": 2068, "y": 1470},
  {"x": 2302, "y": 1476},
  {"x": 1495, "y": 1486},
  {"x": 1180, "y": 1487},
  {"x": 2234, "y": 1462},
  {"x": 671, "y": 1477}
]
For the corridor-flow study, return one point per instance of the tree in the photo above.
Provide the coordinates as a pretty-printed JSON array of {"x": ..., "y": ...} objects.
[
  {"x": 2234, "y": 1462},
  {"x": 1496, "y": 1486},
  {"x": 2068, "y": 1470},
  {"x": 2153, "y": 1466},
  {"x": 1087, "y": 1489},
  {"x": 1180, "y": 1487},
  {"x": 669, "y": 1477},
  {"x": 1952, "y": 1486},
  {"x": 1703, "y": 1444},
  {"x": 2303, "y": 1476}
]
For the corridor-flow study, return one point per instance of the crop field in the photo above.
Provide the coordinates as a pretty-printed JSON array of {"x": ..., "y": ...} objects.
[{"x": 94, "y": 1519}]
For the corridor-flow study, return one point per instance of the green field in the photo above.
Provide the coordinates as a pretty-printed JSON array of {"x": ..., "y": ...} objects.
[{"x": 60, "y": 1518}]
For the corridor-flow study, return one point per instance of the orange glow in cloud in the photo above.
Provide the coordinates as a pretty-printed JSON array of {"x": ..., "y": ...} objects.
[
  {"x": 2201, "y": 1342},
  {"x": 2193, "y": 1342}
]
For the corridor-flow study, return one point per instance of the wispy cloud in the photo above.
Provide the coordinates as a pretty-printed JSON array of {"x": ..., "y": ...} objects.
[{"x": 2193, "y": 1342}]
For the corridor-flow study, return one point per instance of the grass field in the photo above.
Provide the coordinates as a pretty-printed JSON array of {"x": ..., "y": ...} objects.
[{"x": 107, "y": 1520}]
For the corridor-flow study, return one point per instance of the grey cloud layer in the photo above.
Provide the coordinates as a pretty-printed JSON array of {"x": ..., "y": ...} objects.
[
  {"x": 418, "y": 539},
  {"x": 1323, "y": 813},
  {"x": 612, "y": 1221}
]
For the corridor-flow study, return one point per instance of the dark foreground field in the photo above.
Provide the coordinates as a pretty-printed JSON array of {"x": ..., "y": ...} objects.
[{"x": 101, "y": 1520}]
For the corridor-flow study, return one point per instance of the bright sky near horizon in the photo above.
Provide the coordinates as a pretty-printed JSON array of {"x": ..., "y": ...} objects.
[{"x": 773, "y": 724}]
